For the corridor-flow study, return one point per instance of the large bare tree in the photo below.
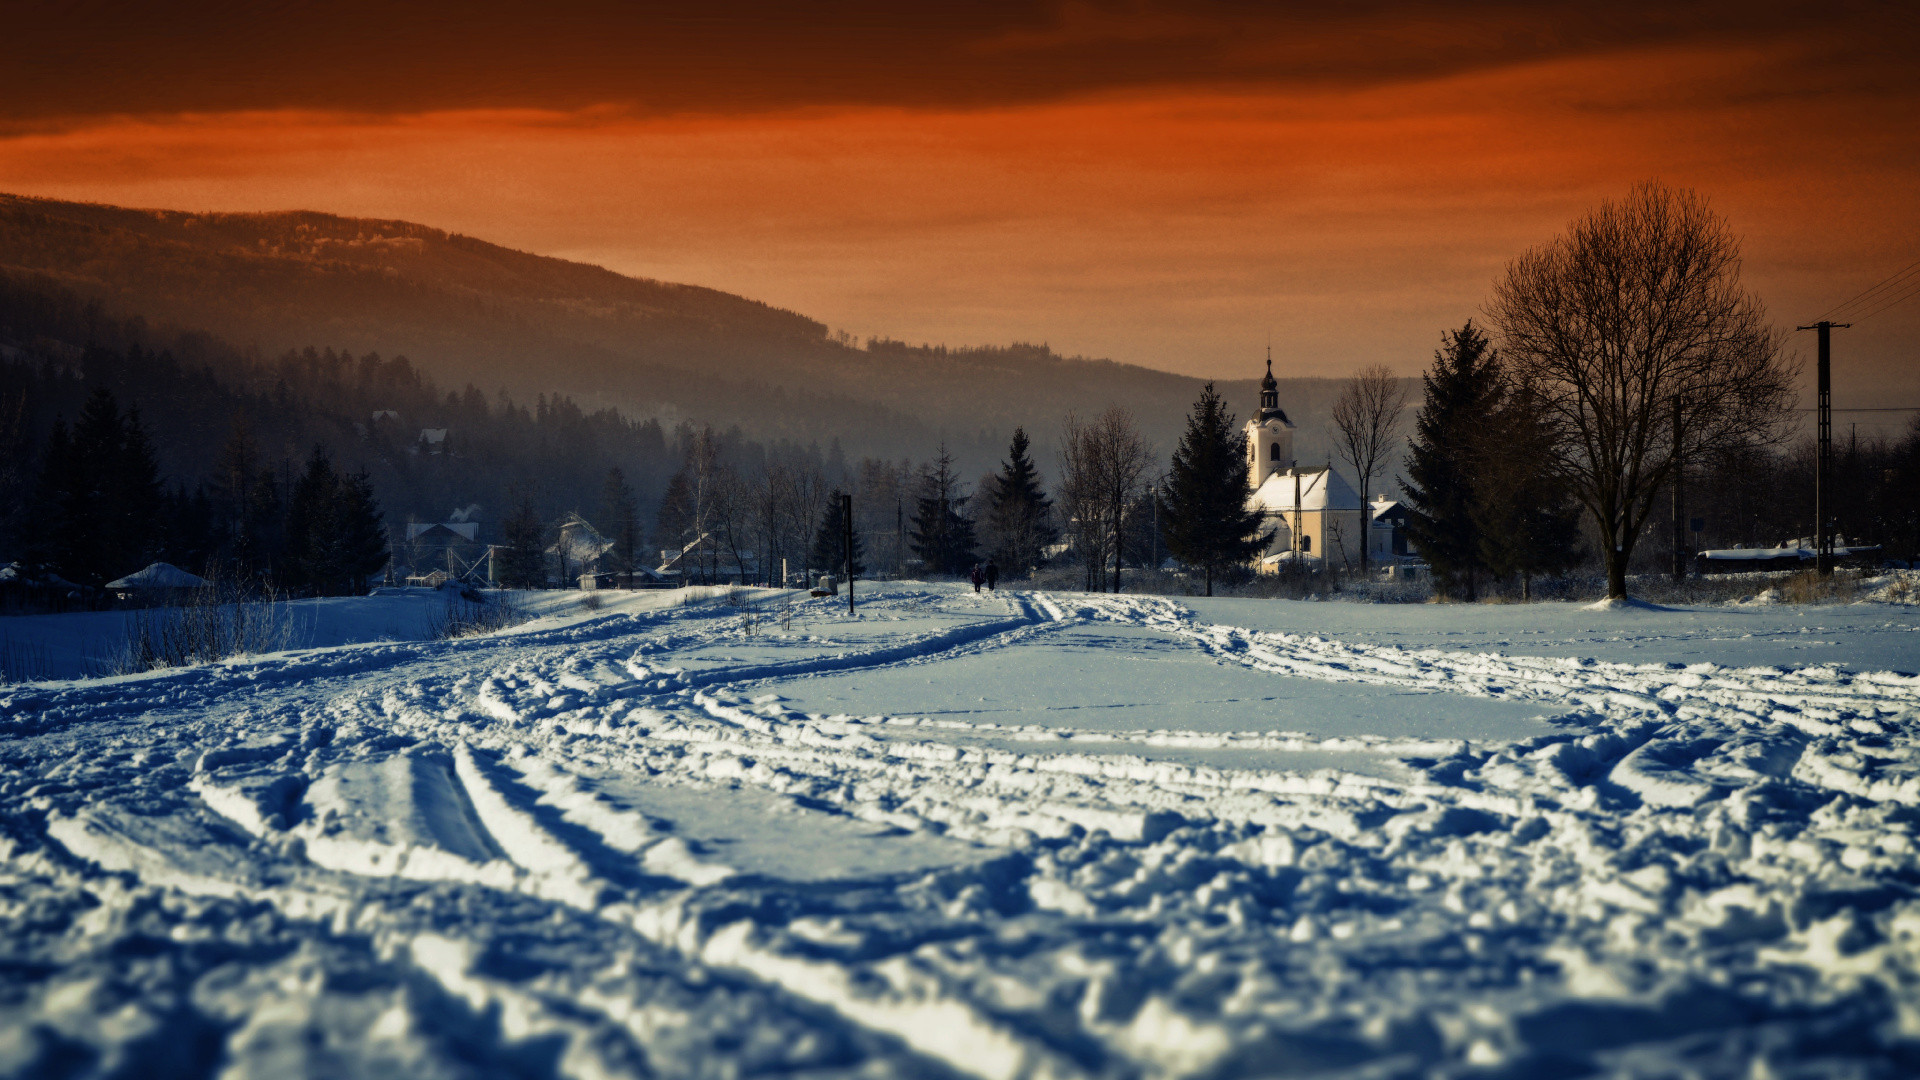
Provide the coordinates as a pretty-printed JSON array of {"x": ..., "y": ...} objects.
[
  {"x": 1366, "y": 424},
  {"x": 1633, "y": 318},
  {"x": 1103, "y": 468}
]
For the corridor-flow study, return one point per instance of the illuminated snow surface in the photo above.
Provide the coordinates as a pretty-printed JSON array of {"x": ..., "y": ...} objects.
[{"x": 1014, "y": 835}]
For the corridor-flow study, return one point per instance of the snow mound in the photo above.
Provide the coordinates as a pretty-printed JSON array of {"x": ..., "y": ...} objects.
[{"x": 1623, "y": 603}]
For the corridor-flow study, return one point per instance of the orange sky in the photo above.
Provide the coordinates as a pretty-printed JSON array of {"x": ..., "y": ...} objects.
[{"x": 1162, "y": 185}]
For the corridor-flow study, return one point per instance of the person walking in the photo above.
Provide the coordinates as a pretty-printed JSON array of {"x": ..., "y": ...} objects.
[
  {"x": 993, "y": 574},
  {"x": 977, "y": 577}
]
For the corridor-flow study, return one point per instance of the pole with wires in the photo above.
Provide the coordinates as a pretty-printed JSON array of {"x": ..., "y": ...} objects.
[
  {"x": 1823, "y": 439},
  {"x": 846, "y": 526}
]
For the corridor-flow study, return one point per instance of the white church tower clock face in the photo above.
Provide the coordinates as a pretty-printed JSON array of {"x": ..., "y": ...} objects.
[{"x": 1269, "y": 433}]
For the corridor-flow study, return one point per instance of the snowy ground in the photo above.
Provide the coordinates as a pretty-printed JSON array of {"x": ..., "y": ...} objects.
[{"x": 1003, "y": 836}]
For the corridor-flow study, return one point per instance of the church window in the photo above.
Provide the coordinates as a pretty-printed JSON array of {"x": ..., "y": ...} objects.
[
  {"x": 1273, "y": 452},
  {"x": 1306, "y": 543}
]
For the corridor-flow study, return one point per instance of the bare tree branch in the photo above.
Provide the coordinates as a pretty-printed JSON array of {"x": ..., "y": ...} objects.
[{"x": 1366, "y": 421}]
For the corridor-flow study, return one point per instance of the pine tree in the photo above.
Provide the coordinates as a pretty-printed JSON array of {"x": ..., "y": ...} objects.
[
  {"x": 829, "y": 552},
  {"x": 941, "y": 533},
  {"x": 315, "y": 560},
  {"x": 138, "y": 495},
  {"x": 620, "y": 522},
  {"x": 100, "y": 495},
  {"x": 1206, "y": 516},
  {"x": 363, "y": 537},
  {"x": 190, "y": 534},
  {"x": 1445, "y": 462},
  {"x": 52, "y": 542},
  {"x": 1525, "y": 514},
  {"x": 236, "y": 472},
  {"x": 1019, "y": 515},
  {"x": 519, "y": 562}
]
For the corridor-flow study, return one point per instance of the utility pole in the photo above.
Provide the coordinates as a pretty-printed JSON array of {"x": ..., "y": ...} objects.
[
  {"x": 846, "y": 525},
  {"x": 1679, "y": 497},
  {"x": 1823, "y": 439}
]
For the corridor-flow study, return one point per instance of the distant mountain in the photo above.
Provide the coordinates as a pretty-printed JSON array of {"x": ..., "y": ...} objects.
[{"x": 466, "y": 311}]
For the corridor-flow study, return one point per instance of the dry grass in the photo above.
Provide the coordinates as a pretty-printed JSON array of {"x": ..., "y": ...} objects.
[
  {"x": 472, "y": 614},
  {"x": 223, "y": 620}
]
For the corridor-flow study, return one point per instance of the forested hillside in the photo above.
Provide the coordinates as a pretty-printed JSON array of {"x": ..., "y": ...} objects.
[{"x": 466, "y": 311}]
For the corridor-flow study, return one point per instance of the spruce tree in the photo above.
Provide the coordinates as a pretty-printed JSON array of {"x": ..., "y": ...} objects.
[
  {"x": 1525, "y": 514},
  {"x": 942, "y": 535},
  {"x": 1445, "y": 462},
  {"x": 620, "y": 522},
  {"x": 94, "y": 544},
  {"x": 100, "y": 494},
  {"x": 52, "y": 545},
  {"x": 315, "y": 561},
  {"x": 137, "y": 496},
  {"x": 363, "y": 535},
  {"x": 1206, "y": 516},
  {"x": 519, "y": 561},
  {"x": 1018, "y": 518},
  {"x": 829, "y": 553}
]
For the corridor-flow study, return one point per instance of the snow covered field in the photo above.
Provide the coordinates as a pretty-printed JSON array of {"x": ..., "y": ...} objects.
[{"x": 1014, "y": 835}]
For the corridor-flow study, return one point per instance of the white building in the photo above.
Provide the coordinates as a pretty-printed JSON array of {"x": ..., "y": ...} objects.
[{"x": 1314, "y": 513}]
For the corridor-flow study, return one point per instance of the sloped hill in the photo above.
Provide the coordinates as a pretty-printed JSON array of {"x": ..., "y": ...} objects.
[{"x": 465, "y": 310}]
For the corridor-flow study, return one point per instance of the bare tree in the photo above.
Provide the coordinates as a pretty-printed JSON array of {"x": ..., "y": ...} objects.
[
  {"x": 1366, "y": 422},
  {"x": 1103, "y": 468},
  {"x": 1632, "y": 318}
]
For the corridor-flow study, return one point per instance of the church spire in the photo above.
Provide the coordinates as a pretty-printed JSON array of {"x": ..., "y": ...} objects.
[{"x": 1269, "y": 389}]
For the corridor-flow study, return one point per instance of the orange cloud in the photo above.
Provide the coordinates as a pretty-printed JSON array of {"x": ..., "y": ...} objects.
[{"x": 1172, "y": 227}]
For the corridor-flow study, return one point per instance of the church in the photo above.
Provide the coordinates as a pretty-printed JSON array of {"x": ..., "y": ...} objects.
[{"x": 1313, "y": 513}]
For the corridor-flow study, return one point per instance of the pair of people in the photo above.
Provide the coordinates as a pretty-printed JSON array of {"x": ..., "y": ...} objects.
[{"x": 988, "y": 575}]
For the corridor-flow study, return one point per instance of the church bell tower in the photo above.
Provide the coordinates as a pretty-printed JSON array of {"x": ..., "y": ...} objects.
[{"x": 1269, "y": 433}]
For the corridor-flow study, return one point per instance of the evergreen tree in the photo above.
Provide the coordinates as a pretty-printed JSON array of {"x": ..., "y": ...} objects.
[
  {"x": 362, "y": 541},
  {"x": 51, "y": 540},
  {"x": 1445, "y": 462},
  {"x": 519, "y": 562},
  {"x": 941, "y": 533},
  {"x": 829, "y": 552},
  {"x": 190, "y": 532},
  {"x": 315, "y": 560},
  {"x": 136, "y": 497},
  {"x": 99, "y": 496},
  {"x": 620, "y": 523},
  {"x": 1019, "y": 514},
  {"x": 1525, "y": 514},
  {"x": 1206, "y": 516}
]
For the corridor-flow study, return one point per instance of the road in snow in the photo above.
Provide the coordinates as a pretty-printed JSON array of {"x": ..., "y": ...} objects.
[{"x": 1015, "y": 835}]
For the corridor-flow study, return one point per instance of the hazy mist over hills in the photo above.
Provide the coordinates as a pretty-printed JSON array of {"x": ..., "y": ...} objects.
[{"x": 467, "y": 311}]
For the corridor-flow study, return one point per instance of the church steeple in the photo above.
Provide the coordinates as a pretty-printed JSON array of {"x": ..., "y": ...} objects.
[{"x": 1269, "y": 432}]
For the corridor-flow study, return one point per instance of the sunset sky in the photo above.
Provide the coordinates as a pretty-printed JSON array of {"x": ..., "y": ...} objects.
[{"x": 1160, "y": 184}]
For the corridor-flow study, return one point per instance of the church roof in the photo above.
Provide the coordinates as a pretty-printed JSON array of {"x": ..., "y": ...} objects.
[{"x": 1321, "y": 488}]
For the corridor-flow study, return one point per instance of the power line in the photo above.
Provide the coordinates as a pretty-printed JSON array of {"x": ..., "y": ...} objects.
[
  {"x": 1903, "y": 296},
  {"x": 1896, "y": 283}
]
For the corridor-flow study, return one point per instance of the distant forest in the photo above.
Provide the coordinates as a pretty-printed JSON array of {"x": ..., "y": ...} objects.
[
  {"x": 462, "y": 377},
  {"x": 463, "y": 310}
]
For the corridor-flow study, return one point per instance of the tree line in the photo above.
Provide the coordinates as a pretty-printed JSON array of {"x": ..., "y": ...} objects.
[
  {"x": 1622, "y": 355},
  {"x": 99, "y": 510}
]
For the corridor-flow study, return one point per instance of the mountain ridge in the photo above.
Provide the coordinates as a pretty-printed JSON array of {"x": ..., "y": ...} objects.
[{"x": 466, "y": 310}]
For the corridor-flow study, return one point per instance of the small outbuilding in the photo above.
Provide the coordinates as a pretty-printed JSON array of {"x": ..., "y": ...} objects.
[{"x": 158, "y": 580}]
